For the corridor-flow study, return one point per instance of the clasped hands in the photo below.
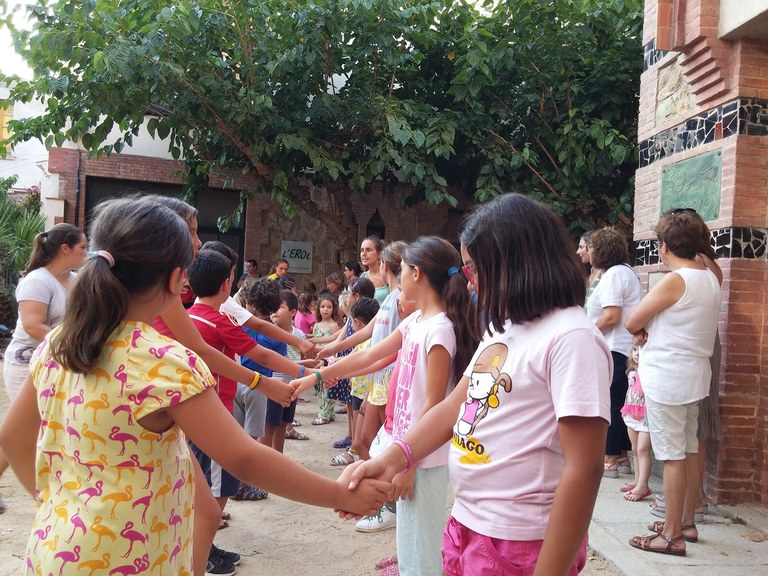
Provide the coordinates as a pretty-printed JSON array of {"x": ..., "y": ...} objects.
[{"x": 386, "y": 477}]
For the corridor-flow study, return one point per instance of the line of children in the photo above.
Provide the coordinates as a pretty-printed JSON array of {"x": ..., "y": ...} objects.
[
  {"x": 438, "y": 336},
  {"x": 157, "y": 393},
  {"x": 358, "y": 288},
  {"x": 361, "y": 313},
  {"x": 528, "y": 420}
]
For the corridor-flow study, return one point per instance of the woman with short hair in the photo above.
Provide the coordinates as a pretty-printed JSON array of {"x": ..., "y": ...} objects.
[{"x": 612, "y": 300}]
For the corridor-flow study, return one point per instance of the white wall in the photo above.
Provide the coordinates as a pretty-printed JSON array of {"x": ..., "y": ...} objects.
[{"x": 24, "y": 158}]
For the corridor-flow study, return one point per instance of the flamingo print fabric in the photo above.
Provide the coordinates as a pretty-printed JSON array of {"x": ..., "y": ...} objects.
[{"x": 115, "y": 498}]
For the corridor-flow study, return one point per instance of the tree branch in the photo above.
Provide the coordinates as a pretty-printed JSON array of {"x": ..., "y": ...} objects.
[{"x": 527, "y": 164}]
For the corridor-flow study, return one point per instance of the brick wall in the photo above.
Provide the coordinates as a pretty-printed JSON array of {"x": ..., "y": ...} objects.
[
  {"x": 715, "y": 73},
  {"x": 265, "y": 225}
]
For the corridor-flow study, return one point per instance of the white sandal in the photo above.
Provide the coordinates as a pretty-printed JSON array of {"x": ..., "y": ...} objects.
[{"x": 344, "y": 459}]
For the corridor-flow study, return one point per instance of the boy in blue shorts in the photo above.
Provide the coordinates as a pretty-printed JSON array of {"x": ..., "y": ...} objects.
[{"x": 279, "y": 418}]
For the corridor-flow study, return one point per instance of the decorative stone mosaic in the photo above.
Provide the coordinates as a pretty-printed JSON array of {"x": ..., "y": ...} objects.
[
  {"x": 743, "y": 116},
  {"x": 673, "y": 93},
  {"x": 753, "y": 117},
  {"x": 651, "y": 56},
  {"x": 693, "y": 183},
  {"x": 748, "y": 243}
]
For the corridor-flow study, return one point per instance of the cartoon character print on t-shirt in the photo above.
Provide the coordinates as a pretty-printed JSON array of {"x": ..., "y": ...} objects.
[{"x": 483, "y": 395}]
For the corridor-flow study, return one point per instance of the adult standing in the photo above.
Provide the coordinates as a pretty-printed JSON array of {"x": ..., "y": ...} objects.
[
  {"x": 42, "y": 297},
  {"x": 612, "y": 300},
  {"x": 677, "y": 320},
  {"x": 352, "y": 270},
  {"x": 251, "y": 271},
  {"x": 279, "y": 269},
  {"x": 370, "y": 258},
  {"x": 592, "y": 272}
]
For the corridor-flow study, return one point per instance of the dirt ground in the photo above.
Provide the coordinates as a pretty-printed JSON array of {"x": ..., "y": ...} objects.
[{"x": 275, "y": 536}]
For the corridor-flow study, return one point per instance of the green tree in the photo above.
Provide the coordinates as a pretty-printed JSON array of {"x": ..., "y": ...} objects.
[
  {"x": 19, "y": 225},
  {"x": 533, "y": 96}
]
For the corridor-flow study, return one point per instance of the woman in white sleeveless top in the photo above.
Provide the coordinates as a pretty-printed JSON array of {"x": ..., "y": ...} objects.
[{"x": 677, "y": 320}]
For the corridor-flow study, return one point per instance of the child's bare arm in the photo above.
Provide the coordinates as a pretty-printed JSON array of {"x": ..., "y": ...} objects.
[
  {"x": 208, "y": 424},
  {"x": 187, "y": 334},
  {"x": 358, "y": 363},
  {"x": 583, "y": 444},
  {"x": 357, "y": 338},
  {"x": 274, "y": 361},
  {"x": 430, "y": 432},
  {"x": 269, "y": 330},
  {"x": 18, "y": 435}
]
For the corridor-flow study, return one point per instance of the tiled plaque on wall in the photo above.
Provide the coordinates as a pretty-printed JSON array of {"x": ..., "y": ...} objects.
[{"x": 693, "y": 183}]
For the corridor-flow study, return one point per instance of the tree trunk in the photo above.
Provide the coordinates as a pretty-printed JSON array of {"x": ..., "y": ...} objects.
[{"x": 337, "y": 216}]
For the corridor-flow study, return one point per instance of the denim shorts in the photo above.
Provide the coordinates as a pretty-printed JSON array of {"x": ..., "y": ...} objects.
[{"x": 467, "y": 553}]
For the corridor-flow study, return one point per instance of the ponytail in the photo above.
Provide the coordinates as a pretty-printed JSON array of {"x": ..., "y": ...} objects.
[
  {"x": 47, "y": 244},
  {"x": 441, "y": 264},
  {"x": 147, "y": 242}
]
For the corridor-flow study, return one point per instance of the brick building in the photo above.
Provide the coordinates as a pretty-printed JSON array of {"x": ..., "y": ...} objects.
[
  {"x": 77, "y": 182},
  {"x": 703, "y": 131}
]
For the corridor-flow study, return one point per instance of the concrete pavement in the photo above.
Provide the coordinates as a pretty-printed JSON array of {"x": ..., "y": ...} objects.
[{"x": 733, "y": 540}]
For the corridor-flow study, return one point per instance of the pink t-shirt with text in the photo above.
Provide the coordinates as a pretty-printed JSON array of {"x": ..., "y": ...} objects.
[{"x": 505, "y": 457}]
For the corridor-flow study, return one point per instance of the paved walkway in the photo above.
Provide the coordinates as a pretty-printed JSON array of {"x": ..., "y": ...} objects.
[{"x": 733, "y": 540}]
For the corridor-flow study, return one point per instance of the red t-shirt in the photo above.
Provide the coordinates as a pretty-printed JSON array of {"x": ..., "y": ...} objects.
[{"x": 222, "y": 333}]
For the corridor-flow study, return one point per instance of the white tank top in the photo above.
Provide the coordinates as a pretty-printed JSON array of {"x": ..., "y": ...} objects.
[{"x": 674, "y": 363}]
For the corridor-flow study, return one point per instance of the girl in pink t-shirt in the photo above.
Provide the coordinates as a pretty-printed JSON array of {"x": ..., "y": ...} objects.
[
  {"x": 435, "y": 342},
  {"x": 528, "y": 420}
]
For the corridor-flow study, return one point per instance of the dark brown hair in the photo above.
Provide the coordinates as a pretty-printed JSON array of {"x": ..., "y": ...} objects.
[
  {"x": 335, "y": 314},
  {"x": 148, "y": 242},
  {"x": 441, "y": 264},
  {"x": 683, "y": 231},
  {"x": 47, "y": 245},
  {"x": 609, "y": 248},
  {"x": 524, "y": 261}
]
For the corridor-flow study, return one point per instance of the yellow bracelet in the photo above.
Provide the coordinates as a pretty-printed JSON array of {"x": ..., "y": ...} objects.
[{"x": 256, "y": 381}]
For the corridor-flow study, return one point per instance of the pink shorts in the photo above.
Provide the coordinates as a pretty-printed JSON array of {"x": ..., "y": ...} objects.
[{"x": 467, "y": 553}]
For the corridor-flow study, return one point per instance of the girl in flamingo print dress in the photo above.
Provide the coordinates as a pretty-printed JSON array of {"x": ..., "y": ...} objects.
[{"x": 98, "y": 430}]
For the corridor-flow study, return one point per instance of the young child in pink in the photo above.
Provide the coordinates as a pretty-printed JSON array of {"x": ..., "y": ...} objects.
[
  {"x": 637, "y": 428},
  {"x": 433, "y": 342}
]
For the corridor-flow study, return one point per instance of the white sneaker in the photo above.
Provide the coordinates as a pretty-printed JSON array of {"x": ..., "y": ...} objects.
[{"x": 384, "y": 519}]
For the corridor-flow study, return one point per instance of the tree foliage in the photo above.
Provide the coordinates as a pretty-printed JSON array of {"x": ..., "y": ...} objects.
[
  {"x": 451, "y": 97},
  {"x": 19, "y": 224}
]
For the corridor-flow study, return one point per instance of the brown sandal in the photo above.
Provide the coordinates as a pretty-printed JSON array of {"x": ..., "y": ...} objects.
[
  {"x": 658, "y": 527},
  {"x": 644, "y": 543}
]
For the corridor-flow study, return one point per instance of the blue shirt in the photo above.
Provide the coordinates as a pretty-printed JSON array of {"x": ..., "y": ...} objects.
[{"x": 279, "y": 347}]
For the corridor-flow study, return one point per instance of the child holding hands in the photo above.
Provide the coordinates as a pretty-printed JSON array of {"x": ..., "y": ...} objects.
[
  {"x": 157, "y": 392},
  {"x": 528, "y": 420},
  {"x": 433, "y": 341}
]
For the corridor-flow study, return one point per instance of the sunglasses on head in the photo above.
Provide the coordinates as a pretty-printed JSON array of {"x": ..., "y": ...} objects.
[{"x": 684, "y": 211}]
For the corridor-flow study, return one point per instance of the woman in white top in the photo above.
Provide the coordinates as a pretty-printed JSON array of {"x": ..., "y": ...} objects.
[
  {"x": 42, "y": 297},
  {"x": 677, "y": 320},
  {"x": 608, "y": 306}
]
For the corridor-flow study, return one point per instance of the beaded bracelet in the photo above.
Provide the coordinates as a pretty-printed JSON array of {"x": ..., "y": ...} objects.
[
  {"x": 256, "y": 381},
  {"x": 403, "y": 445}
]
